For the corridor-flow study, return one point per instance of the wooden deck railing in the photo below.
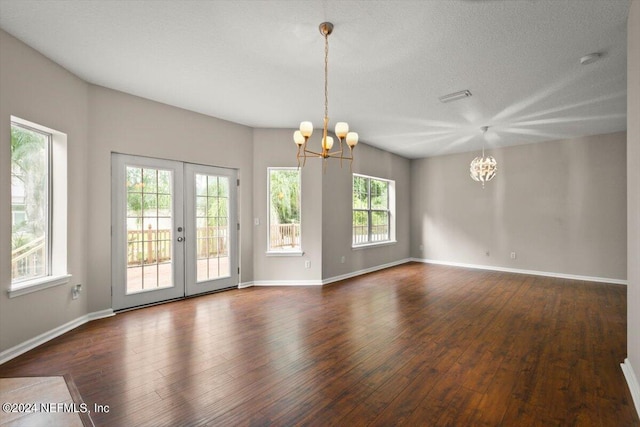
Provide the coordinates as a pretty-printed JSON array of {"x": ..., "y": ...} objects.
[
  {"x": 28, "y": 260},
  {"x": 379, "y": 233},
  {"x": 284, "y": 235},
  {"x": 212, "y": 241},
  {"x": 150, "y": 246}
]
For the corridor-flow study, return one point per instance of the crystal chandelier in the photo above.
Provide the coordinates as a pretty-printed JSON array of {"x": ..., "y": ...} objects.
[
  {"x": 483, "y": 169},
  {"x": 300, "y": 137}
]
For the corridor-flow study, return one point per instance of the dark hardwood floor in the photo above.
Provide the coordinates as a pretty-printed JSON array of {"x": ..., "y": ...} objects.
[{"x": 411, "y": 345}]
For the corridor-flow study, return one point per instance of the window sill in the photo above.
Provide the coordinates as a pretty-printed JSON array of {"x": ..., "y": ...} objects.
[
  {"x": 38, "y": 284},
  {"x": 285, "y": 253},
  {"x": 373, "y": 245}
]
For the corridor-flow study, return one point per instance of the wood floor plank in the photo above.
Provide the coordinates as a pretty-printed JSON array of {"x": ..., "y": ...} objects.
[{"x": 411, "y": 345}]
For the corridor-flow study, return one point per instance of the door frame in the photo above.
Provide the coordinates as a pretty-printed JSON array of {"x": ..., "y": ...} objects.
[{"x": 180, "y": 262}]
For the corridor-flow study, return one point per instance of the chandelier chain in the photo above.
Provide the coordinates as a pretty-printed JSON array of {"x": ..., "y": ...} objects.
[{"x": 326, "y": 75}]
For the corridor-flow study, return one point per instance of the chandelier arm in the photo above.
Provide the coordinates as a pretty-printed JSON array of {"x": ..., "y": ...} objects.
[
  {"x": 337, "y": 154},
  {"x": 315, "y": 154},
  {"x": 340, "y": 157},
  {"x": 304, "y": 153}
]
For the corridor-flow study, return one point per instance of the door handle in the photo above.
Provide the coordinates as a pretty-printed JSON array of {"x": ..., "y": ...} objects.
[{"x": 180, "y": 239}]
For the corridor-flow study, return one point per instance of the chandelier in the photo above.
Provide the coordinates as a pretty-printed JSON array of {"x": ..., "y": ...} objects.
[
  {"x": 300, "y": 137},
  {"x": 483, "y": 169}
]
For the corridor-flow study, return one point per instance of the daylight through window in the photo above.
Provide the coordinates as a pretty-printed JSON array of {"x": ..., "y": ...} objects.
[
  {"x": 30, "y": 203},
  {"x": 372, "y": 210},
  {"x": 284, "y": 210}
]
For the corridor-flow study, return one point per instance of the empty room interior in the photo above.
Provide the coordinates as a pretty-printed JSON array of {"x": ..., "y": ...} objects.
[{"x": 320, "y": 212}]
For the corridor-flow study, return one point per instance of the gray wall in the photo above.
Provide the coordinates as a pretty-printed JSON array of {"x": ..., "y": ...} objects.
[
  {"x": 326, "y": 215},
  {"x": 560, "y": 205},
  {"x": 633, "y": 186},
  {"x": 337, "y": 205},
  {"x": 99, "y": 121},
  {"x": 569, "y": 219},
  {"x": 36, "y": 89},
  {"x": 128, "y": 124},
  {"x": 275, "y": 148}
]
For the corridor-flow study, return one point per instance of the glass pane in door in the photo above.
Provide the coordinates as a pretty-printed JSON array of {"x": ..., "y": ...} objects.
[
  {"x": 149, "y": 225},
  {"x": 212, "y": 223}
]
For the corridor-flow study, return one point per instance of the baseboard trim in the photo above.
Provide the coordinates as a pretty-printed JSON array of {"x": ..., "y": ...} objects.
[
  {"x": 364, "y": 271},
  {"x": 323, "y": 281},
  {"x": 519, "y": 271},
  {"x": 32, "y": 343},
  {"x": 287, "y": 283},
  {"x": 632, "y": 382}
]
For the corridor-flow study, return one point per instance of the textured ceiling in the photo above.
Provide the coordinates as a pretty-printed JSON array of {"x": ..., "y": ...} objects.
[{"x": 260, "y": 63}]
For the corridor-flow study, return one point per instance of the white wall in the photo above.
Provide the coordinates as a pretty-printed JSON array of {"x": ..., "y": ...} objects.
[
  {"x": 36, "y": 89},
  {"x": 633, "y": 188},
  {"x": 128, "y": 124},
  {"x": 560, "y": 205}
]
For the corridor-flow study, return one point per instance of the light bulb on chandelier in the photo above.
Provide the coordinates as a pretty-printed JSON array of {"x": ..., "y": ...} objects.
[
  {"x": 301, "y": 137},
  {"x": 483, "y": 169}
]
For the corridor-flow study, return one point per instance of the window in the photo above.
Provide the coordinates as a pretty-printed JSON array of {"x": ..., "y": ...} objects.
[
  {"x": 373, "y": 209},
  {"x": 38, "y": 173},
  {"x": 284, "y": 211},
  {"x": 30, "y": 201}
]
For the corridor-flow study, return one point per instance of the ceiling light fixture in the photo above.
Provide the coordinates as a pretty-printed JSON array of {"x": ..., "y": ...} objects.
[
  {"x": 455, "y": 96},
  {"x": 483, "y": 169},
  {"x": 300, "y": 137}
]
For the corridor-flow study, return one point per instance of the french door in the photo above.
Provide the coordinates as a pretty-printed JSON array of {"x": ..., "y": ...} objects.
[{"x": 174, "y": 230}]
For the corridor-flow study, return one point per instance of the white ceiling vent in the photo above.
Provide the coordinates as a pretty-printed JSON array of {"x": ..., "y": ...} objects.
[{"x": 455, "y": 96}]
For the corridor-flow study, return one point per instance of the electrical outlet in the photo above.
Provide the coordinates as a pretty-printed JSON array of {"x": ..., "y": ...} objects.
[
  {"x": 256, "y": 221},
  {"x": 513, "y": 255},
  {"x": 75, "y": 291},
  {"x": 307, "y": 264}
]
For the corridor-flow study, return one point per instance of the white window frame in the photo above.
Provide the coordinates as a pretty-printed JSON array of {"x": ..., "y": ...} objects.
[
  {"x": 57, "y": 234},
  {"x": 282, "y": 252},
  {"x": 391, "y": 209}
]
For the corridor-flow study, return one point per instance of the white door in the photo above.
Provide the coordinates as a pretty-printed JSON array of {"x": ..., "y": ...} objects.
[
  {"x": 211, "y": 228},
  {"x": 165, "y": 245}
]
